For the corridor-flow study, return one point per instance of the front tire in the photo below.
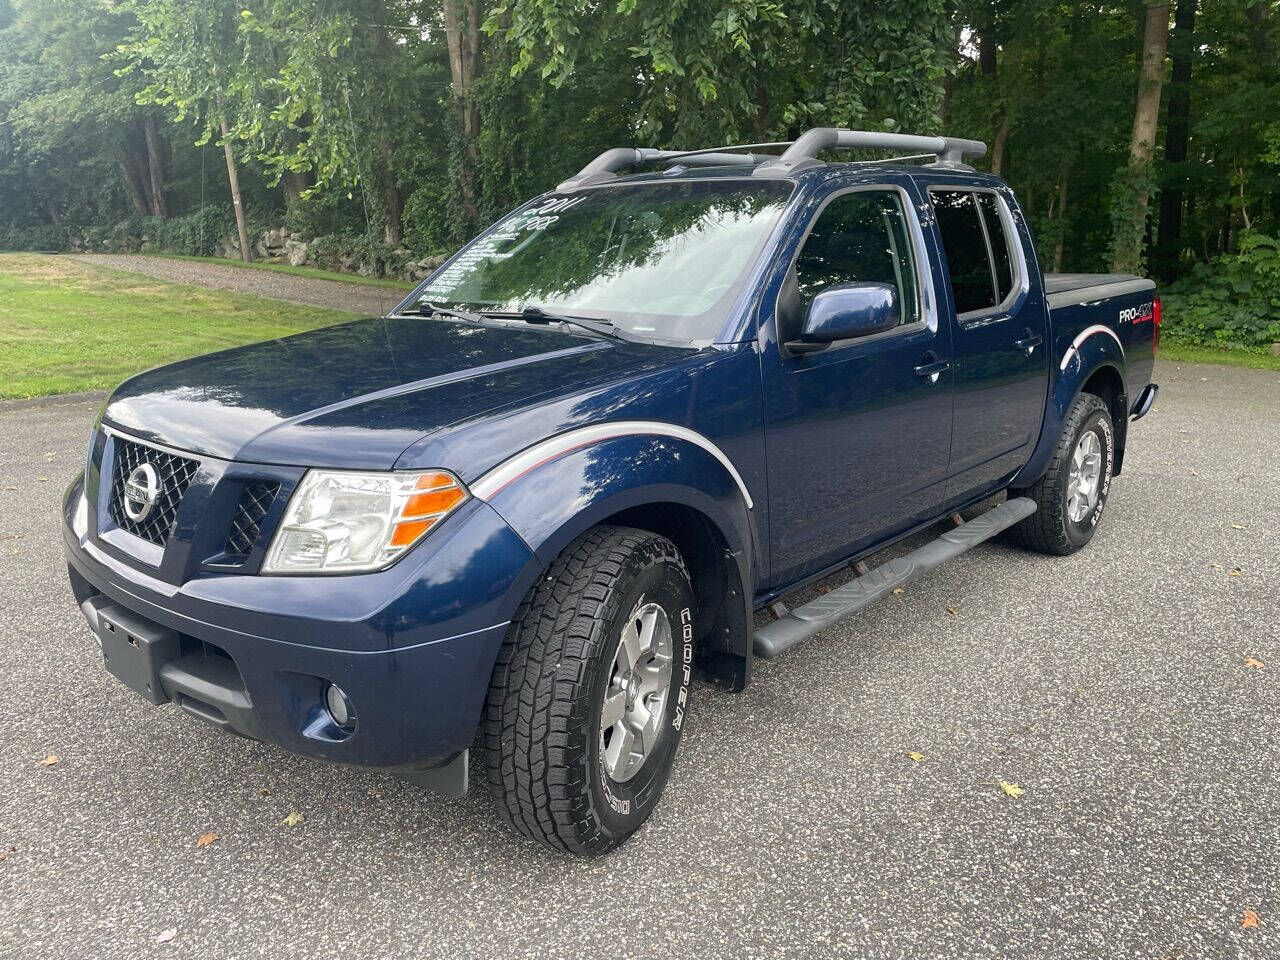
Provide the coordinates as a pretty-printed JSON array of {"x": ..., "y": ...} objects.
[
  {"x": 1073, "y": 491},
  {"x": 590, "y": 692}
]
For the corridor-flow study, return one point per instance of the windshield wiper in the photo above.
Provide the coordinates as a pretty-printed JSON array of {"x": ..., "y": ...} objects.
[
  {"x": 427, "y": 308},
  {"x": 603, "y": 328}
]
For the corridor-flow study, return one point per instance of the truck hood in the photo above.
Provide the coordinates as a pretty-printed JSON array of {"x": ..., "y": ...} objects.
[{"x": 358, "y": 394}]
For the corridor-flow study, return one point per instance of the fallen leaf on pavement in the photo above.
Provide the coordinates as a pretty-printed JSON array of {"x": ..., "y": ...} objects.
[
  {"x": 207, "y": 838},
  {"x": 7, "y": 853},
  {"x": 899, "y": 590},
  {"x": 952, "y": 611},
  {"x": 1237, "y": 526},
  {"x": 824, "y": 589},
  {"x": 50, "y": 760},
  {"x": 1011, "y": 789},
  {"x": 1236, "y": 572},
  {"x": 1253, "y": 662},
  {"x": 167, "y": 935},
  {"x": 292, "y": 820},
  {"x": 917, "y": 757},
  {"x": 1250, "y": 919}
]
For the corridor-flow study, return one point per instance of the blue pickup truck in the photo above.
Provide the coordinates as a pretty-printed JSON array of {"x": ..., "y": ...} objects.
[{"x": 590, "y": 456}]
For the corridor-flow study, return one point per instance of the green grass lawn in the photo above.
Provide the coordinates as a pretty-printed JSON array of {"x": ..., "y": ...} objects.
[
  {"x": 67, "y": 326},
  {"x": 1257, "y": 359},
  {"x": 315, "y": 272}
]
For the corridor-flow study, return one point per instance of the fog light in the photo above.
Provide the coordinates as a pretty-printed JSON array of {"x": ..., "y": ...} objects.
[{"x": 339, "y": 706}]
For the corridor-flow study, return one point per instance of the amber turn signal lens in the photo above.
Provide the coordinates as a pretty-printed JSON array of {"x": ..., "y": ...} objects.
[
  {"x": 408, "y": 531},
  {"x": 434, "y": 501}
]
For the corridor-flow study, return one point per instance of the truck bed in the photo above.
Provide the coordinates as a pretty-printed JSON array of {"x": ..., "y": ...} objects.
[{"x": 1068, "y": 289}]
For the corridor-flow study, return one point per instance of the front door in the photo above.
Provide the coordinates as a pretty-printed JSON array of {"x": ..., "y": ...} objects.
[
  {"x": 1001, "y": 357},
  {"x": 858, "y": 434}
]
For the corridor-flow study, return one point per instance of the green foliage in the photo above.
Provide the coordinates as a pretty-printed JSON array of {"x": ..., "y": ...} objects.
[
  {"x": 197, "y": 234},
  {"x": 1234, "y": 300},
  {"x": 738, "y": 69},
  {"x": 44, "y": 237},
  {"x": 365, "y": 255}
]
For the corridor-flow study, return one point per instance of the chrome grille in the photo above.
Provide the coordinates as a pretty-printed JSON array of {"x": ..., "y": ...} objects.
[
  {"x": 254, "y": 503},
  {"x": 175, "y": 474}
]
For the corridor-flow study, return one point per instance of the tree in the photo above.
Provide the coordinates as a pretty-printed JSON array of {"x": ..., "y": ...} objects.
[
  {"x": 1177, "y": 131},
  {"x": 1134, "y": 190},
  {"x": 188, "y": 55},
  {"x": 738, "y": 69}
]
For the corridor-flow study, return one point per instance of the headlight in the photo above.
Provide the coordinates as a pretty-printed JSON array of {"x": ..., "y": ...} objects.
[{"x": 343, "y": 522}]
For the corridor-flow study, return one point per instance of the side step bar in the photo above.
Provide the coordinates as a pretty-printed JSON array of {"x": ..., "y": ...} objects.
[{"x": 774, "y": 639}]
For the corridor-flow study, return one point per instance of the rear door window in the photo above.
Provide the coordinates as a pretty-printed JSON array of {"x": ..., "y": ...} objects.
[{"x": 965, "y": 245}]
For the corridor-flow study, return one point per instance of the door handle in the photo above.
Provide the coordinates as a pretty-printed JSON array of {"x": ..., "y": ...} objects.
[
  {"x": 1029, "y": 343},
  {"x": 932, "y": 368}
]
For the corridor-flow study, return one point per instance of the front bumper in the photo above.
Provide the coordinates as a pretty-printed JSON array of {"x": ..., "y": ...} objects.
[{"x": 253, "y": 654}]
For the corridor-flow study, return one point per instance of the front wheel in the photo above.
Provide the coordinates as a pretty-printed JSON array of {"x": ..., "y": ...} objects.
[
  {"x": 590, "y": 692},
  {"x": 1073, "y": 491}
]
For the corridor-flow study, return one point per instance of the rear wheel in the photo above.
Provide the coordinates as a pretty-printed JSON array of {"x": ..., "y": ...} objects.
[
  {"x": 1073, "y": 491},
  {"x": 590, "y": 691}
]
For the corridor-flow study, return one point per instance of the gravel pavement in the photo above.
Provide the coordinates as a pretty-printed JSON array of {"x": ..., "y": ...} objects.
[
  {"x": 361, "y": 298},
  {"x": 1111, "y": 686}
]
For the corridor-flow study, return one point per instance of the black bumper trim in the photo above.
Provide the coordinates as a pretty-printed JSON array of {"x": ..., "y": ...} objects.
[{"x": 209, "y": 688}]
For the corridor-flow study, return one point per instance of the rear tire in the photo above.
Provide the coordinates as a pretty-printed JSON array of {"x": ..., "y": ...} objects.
[
  {"x": 602, "y": 642},
  {"x": 1073, "y": 491}
]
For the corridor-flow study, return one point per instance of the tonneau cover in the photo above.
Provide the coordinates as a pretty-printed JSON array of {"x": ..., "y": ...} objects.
[{"x": 1063, "y": 289}]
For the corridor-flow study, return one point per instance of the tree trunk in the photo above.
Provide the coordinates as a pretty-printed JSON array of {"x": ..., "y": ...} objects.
[
  {"x": 133, "y": 183},
  {"x": 1001, "y": 138},
  {"x": 1132, "y": 219},
  {"x": 987, "y": 45},
  {"x": 295, "y": 182},
  {"x": 1060, "y": 242},
  {"x": 246, "y": 252},
  {"x": 156, "y": 193},
  {"x": 1177, "y": 127},
  {"x": 393, "y": 229},
  {"x": 462, "y": 34},
  {"x": 761, "y": 118},
  {"x": 949, "y": 81}
]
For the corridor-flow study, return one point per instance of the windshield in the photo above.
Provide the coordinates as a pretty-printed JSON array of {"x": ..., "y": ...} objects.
[{"x": 658, "y": 260}]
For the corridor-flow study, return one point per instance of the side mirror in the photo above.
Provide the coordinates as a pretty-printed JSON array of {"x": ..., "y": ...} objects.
[{"x": 846, "y": 310}]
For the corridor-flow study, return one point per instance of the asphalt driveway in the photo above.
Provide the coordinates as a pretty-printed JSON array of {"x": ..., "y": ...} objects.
[{"x": 1114, "y": 687}]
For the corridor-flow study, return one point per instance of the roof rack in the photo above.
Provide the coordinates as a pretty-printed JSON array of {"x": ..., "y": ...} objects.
[
  {"x": 800, "y": 154},
  {"x": 950, "y": 151}
]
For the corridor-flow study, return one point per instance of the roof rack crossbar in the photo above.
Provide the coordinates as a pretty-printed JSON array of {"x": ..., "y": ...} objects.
[
  {"x": 606, "y": 165},
  {"x": 950, "y": 151}
]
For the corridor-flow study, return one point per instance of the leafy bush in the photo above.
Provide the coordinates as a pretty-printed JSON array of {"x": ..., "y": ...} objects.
[
  {"x": 368, "y": 256},
  {"x": 1233, "y": 300},
  {"x": 197, "y": 234},
  {"x": 33, "y": 238}
]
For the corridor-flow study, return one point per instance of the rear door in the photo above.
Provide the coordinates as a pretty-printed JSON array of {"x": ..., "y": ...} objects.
[
  {"x": 858, "y": 434},
  {"x": 1000, "y": 352}
]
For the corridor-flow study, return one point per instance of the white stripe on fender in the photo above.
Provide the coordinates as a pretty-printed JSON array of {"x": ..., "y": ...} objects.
[
  {"x": 1085, "y": 334},
  {"x": 487, "y": 486}
]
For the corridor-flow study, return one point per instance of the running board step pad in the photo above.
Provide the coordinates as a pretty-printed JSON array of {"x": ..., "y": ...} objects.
[{"x": 775, "y": 638}]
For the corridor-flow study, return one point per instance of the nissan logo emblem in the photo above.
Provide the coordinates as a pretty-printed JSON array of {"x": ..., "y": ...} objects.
[{"x": 141, "y": 490}]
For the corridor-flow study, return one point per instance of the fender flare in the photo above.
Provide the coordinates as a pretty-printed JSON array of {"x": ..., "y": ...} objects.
[
  {"x": 557, "y": 489},
  {"x": 1091, "y": 350}
]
